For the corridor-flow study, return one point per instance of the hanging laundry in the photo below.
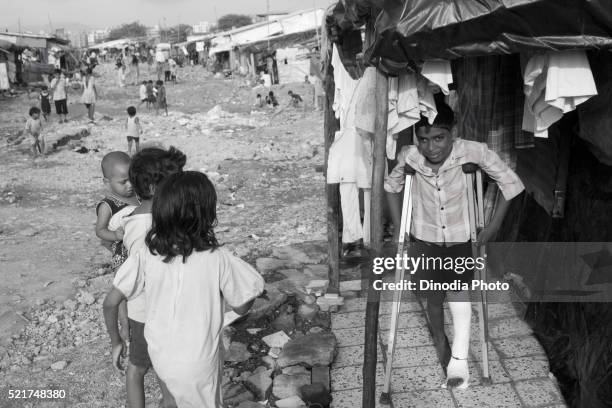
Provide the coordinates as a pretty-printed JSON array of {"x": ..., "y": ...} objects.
[
  {"x": 404, "y": 110},
  {"x": 350, "y": 155},
  {"x": 554, "y": 84},
  {"x": 438, "y": 72},
  {"x": 365, "y": 110},
  {"x": 427, "y": 103}
]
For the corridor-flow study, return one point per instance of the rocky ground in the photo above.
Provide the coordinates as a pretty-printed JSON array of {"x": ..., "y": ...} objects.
[{"x": 266, "y": 167}]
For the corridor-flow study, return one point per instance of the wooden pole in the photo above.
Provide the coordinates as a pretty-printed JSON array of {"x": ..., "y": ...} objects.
[
  {"x": 376, "y": 228},
  {"x": 332, "y": 192}
]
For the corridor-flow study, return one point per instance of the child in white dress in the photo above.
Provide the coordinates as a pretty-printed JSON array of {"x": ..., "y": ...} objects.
[
  {"x": 188, "y": 276},
  {"x": 149, "y": 167}
]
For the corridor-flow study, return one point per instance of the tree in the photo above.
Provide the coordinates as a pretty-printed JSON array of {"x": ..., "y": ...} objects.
[
  {"x": 229, "y": 21},
  {"x": 134, "y": 29},
  {"x": 175, "y": 34}
]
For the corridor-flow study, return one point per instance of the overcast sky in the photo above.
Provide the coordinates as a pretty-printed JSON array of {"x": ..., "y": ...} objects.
[{"x": 106, "y": 13}]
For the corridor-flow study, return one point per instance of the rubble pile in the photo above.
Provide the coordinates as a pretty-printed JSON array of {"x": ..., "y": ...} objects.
[{"x": 279, "y": 353}]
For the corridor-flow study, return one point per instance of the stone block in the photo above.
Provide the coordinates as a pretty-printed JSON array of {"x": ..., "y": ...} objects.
[{"x": 320, "y": 374}]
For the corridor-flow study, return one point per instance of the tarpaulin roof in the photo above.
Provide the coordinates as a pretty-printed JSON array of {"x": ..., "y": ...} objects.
[
  {"x": 428, "y": 29},
  {"x": 278, "y": 41}
]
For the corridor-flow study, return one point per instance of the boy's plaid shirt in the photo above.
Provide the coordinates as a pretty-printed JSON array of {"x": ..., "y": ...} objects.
[{"x": 440, "y": 203}]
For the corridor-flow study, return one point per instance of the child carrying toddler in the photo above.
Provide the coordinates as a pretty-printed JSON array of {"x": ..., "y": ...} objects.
[
  {"x": 148, "y": 168},
  {"x": 187, "y": 276}
]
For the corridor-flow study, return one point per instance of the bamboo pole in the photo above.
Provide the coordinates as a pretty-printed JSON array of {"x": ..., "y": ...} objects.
[
  {"x": 376, "y": 228},
  {"x": 332, "y": 192}
]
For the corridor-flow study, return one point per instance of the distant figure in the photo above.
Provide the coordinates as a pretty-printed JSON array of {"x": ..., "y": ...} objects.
[
  {"x": 142, "y": 93},
  {"x": 33, "y": 127},
  {"x": 172, "y": 64},
  {"x": 259, "y": 101},
  {"x": 60, "y": 95},
  {"x": 306, "y": 80},
  {"x": 120, "y": 67},
  {"x": 151, "y": 99},
  {"x": 135, "y": 68},
  {"x": 271, "y": 99},
  {"x": 159, "y": 59},
  {"x": 167, "y": 71},
  {"x": 133, "y": 129},
  {"x": 45, "y": 102},
  {"x": 161, "y": 98},
  {"x": 89, "y": 95},
  {"x": 295, "y": 99}
]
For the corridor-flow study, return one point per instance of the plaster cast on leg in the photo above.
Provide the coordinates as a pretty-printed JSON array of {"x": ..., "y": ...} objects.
[{"x": 461, "y": 313}]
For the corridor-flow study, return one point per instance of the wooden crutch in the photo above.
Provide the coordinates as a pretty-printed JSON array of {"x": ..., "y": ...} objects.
[
  {"x": 406, "y": 219},
  {"x": 476, "y": 215}
]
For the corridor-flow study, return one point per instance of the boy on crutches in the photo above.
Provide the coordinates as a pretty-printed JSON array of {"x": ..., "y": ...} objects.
[{"x": 440, "y": 227}]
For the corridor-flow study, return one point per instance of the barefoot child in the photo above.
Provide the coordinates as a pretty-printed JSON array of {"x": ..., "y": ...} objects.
[
  {"x": 439, "y": 228},
  {"x": 187, "y": 277},
  {"x": 148, "y": 168},
  {"x": 115, "y": 166},
  {"x": 33, "y": 127},
  {"x": 143, "y": 94},
  {"x": 150, "y": 94},
  {"x": 133, "y": 129},
  {"x": 161, "y": 98},
  {"x": 45, "y": 102}
]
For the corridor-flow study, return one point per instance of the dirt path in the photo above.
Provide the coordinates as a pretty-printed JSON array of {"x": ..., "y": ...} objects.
[{"x": 269, "y": 195}]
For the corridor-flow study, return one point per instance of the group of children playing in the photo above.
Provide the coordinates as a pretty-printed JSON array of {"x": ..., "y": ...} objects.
[
  {"x": 154, "y": 95},
  {"x": 175, "y": 276},
  {"x": 271, "y": 101}
]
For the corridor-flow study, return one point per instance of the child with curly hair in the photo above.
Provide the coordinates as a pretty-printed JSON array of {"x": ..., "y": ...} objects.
[{"x": 188, "y": 277}]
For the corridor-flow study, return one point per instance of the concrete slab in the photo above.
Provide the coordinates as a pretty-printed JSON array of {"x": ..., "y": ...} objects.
[
  {"x": 496, "y": 372},
  {"x": 506, "y": 327},
  {"x": 497, "y": 395},
  {"x": 406, "y": 320},
  {"x": 352, "y": 355},
  {"x": 352, "y": 399},
  {"x": 428, "y": 377},
  {"x": 348, "y": 320},
  {"x": 411, "y": 337},
  {"x": 497, "y": 310},
  {"x": 351, "y": 377},
  {"x": 350, "y": 337},
  {"x": 524, "y": 368},
  {"x": 476, "y": 353},
  {"x": 538, "y": 392},
  {"x": 521, "y": 346},
  {"x": 415, "y": 356},
  {"x": 423, "y": 399}
]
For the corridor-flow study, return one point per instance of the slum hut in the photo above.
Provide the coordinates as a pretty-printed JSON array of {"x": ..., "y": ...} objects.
[
  {"x": 289, "y": 55},
  {"x": 28, "y": 56},
  {"x": 245, "y": 48},
  {"x": 504, "y": 61}
]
